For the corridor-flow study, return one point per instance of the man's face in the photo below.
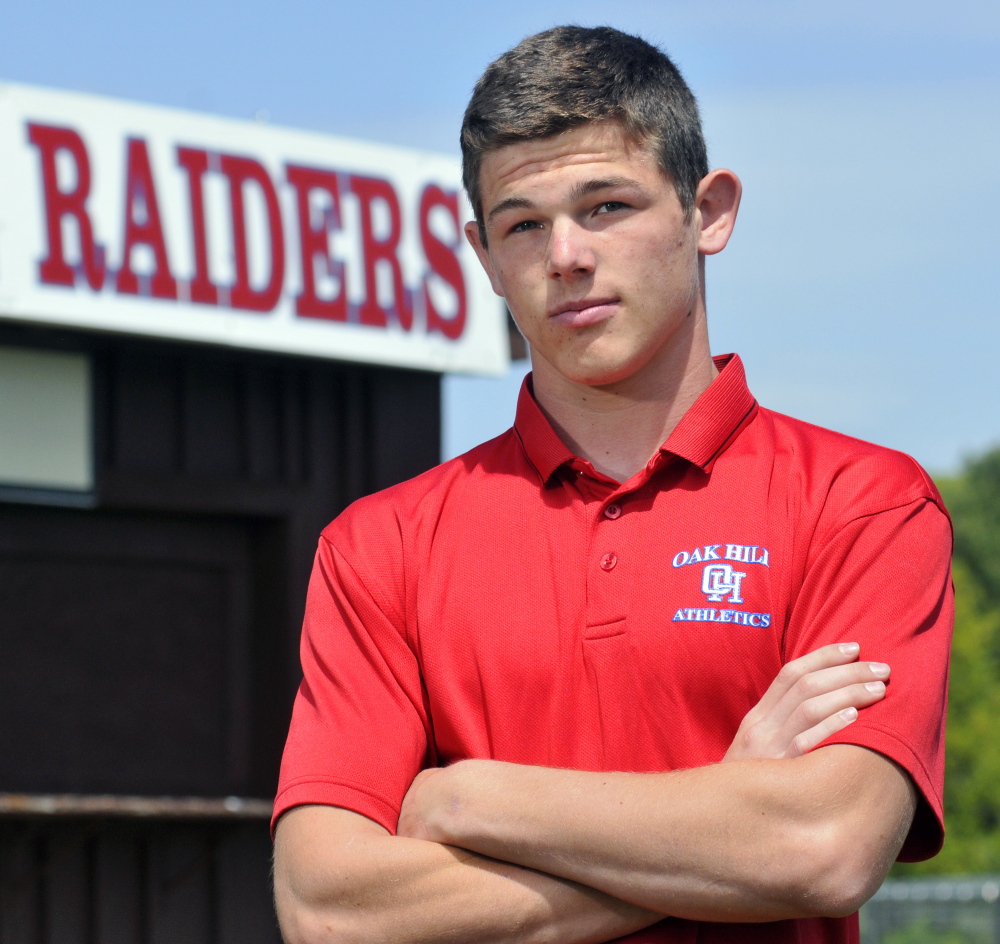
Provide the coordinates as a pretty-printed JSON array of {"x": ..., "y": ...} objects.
[{"x": 588, "y": 243}]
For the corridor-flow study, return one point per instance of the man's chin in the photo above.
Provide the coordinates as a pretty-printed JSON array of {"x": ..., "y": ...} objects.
[{"x": 603, "y": 374}]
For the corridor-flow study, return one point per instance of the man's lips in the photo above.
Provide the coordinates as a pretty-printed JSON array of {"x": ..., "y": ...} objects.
[{"x": 585, "y": 312}]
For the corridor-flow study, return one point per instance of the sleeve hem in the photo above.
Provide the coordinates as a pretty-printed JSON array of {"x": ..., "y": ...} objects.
[
  {"x": 304, "y": 791},
  {"x": 926, "y": 835}
]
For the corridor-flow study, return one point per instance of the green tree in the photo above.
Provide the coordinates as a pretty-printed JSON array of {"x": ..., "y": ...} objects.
[
  {"x": 972, "y": 779},
  {"x": 974, "y": 503}
]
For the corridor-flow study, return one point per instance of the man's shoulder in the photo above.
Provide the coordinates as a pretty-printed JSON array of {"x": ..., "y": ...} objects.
[
  {"x": 850, "y": 473},
  {"x": 409, "y": 506}
]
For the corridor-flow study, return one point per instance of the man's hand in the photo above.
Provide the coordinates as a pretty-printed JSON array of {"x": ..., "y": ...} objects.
[
  {"x": 811, "y": 698},
  {"x": 341, "y": 877}
]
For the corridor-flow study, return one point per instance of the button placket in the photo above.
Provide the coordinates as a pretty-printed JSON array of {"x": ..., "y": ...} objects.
[
  {"x": 609, "y": 562},
  {"x": 610, "y": 558}
]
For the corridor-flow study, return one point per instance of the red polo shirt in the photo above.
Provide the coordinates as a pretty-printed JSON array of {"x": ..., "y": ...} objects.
[{"x": 515, "y": 604}]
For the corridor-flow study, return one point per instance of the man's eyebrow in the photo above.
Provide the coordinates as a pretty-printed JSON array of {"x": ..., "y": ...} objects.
[
  {"x": 581, "y": 190},
  {"x": 511, "y": 203},
  {"x": 586, "y": 187}
]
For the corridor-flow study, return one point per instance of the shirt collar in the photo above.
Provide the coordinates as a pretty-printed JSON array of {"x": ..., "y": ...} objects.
[{"x": 702, "y": 435}]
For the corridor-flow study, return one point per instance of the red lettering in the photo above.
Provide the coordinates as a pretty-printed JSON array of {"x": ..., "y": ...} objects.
[
  {"x": 241, "y": 170},
  {"x": 443, "y": 261},
  {"x": 54, "y": 269},
  {"x": 315, "y": 243},
  {"x": 140, "y": 201},
  {"x": 195, "y": 162},
  {"x": 368, "y": 190}
]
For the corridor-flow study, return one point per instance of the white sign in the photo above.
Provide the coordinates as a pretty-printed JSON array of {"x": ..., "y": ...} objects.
[{"x": 145, "y": 220}]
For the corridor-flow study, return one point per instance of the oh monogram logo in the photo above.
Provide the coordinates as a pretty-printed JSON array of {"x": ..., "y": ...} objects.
[{"x": 719, "y": 581}]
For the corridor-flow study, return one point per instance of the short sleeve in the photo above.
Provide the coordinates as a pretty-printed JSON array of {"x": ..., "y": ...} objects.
[
  {"x": 359, "y": 729},
  {"x": 883, "y": 580}
]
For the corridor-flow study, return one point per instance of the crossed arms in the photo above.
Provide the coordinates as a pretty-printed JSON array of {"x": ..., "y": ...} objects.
[{"x": 493, "y": 852}]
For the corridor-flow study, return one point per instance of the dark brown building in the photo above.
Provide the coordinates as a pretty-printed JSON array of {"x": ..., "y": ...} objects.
[
  {"x": 191, "y": 314},
  {"x": 149, "y": 628}
]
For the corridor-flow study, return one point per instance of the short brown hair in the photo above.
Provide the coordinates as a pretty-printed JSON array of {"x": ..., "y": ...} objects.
[{"x": 571, "y": 75}]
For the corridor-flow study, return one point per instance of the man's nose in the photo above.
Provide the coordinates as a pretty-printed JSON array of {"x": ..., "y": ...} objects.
[{"x": 570, "y": 252}]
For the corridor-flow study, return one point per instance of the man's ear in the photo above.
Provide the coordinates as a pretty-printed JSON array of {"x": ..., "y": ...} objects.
[
  {"x": 472, "y": 235},
  {"x": 716, "y": 202}
]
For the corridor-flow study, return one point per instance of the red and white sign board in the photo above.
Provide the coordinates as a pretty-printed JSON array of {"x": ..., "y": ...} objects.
[{"x": 146, "y": 220}]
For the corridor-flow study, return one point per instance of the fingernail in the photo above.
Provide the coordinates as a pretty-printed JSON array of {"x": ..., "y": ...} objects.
[
  {"x": 849, "y": 648},
  {"x": 875, "y": 687},
  {"x": 879, "y": 668},
  {"x": 849, "y": 714}
]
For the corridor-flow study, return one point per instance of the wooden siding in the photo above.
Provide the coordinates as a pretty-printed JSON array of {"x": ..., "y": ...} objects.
[
  {"x": 95, "y": 881},
  {"x": 149, "y": 641}
]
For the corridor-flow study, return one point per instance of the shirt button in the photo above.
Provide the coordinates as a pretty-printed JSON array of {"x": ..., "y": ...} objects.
[
  {"x": 608, "y": 561},
  {"x": 613, "y": 511}
]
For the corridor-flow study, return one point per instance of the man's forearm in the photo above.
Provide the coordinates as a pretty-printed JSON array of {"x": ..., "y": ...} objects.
[
  {"x": 341, "y": 878},
  {"x": 748, "y": 841}
]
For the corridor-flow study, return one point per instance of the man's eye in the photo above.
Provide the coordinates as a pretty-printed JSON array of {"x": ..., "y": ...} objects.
[
  {"x": 611, "y": 205},
  {"x": 523, "y": 226}
]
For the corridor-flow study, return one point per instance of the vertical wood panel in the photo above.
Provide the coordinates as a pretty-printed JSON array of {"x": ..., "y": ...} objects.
[
  {"x": 262, "y": 422},
  {"x": 144, "y": 403},
  {"x": 213, "y": 427},
  {"x": 406, "y": 425},
  {"x": 272, "y": 659},
  {"x": 66, "y": 887},
  {"x": 246, "y": 915},
  {"x": 20, "y": 869},
  {"x": 118, "y": 883},
  {"x": 356, "y": 444},
  {"x": 181, "y": 887},
  {"x": 123, "y": 653},
  {"x": 238, "y": 617},
  {"x": 293, "y": 413},
  {"x": 129, "y": 882}
]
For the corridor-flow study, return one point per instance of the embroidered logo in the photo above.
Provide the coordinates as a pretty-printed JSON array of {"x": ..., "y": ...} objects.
[
  {"x": 720, "y": 580},
  {"x": 739, "y": 553},
  {"x": 692, "y": 614}
]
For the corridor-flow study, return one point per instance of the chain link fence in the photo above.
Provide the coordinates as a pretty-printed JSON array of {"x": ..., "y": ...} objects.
[{"x": 959, "y": 910}]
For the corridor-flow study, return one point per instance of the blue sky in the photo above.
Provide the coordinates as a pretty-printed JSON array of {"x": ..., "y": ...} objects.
[{"x": 862, "y": 287}]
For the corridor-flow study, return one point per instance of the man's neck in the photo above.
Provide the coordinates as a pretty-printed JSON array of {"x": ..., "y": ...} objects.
[{"x": 619, "y": 427}]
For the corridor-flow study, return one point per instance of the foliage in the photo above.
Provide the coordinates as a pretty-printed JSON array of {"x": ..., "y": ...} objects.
[
  {"x": 974, "y": 503},
  {"x": 972, "y": 781}
]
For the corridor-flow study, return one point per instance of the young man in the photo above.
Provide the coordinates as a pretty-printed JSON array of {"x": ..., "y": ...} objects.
[{"x": 568, "y": 687}]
